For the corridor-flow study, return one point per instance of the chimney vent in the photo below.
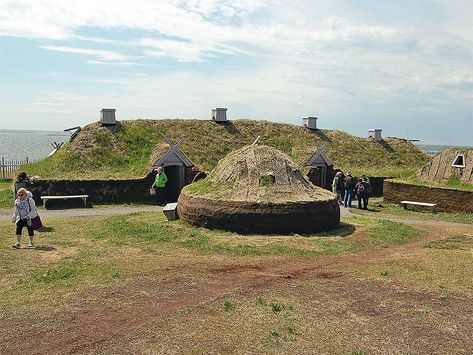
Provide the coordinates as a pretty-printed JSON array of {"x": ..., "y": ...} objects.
[
  {"x": 219, "y": 114},
  {"x": 107, "y": 117},
  {"x": 310, "y": 122},
  {"x": 375, "y": 133}
]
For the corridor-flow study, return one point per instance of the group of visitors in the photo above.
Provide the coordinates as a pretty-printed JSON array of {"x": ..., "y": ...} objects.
[{"x": 345, "y": 188}]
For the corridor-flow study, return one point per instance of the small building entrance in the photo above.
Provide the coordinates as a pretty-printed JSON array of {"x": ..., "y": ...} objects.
[
  {"x": 176, "y": 165},
  {"x": 320, "y": 168},
  {"x": 176, "y": 180}
]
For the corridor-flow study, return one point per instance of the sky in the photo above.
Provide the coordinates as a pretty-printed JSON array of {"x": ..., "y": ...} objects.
[{"x": 403, "y": 66}]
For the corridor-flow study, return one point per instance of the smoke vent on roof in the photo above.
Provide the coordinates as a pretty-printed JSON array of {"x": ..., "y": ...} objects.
[
  {"x": 219, "y": 114},
  {"x": 375, "y": 133},
  {"x": 310, "y": 122},
  {"x": 107, "y": 117}
]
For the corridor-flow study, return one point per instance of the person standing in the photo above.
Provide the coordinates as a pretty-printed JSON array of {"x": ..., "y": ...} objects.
[
  {"x": 361, "y": 189},
  {"x": 337, "y": 186},
  {"x": 348, "y": 182},
  {"x": 159, "y": 184},
  {"x": 24, "y": 211},
  {"x": 367, "y": 182},
  {"x": 22, "y": 180}
]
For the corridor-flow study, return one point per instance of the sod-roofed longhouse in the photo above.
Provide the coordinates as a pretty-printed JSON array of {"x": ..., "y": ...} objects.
[{"x": 258, "y": 189}]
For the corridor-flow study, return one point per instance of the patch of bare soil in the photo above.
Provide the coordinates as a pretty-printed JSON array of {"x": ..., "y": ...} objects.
[{"x": 338, "y": 312}]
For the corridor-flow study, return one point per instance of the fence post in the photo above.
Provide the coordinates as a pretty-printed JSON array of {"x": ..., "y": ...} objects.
[
  {"x": 3, "y": 167},
  {"x": 26, "y": 160}
]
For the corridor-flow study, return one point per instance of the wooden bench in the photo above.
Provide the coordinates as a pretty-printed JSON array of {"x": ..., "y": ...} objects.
[
  {"x": 45, "y": 198},
  {"x": 433, "y": 206}
]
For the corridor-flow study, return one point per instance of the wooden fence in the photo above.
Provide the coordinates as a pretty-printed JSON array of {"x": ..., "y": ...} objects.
[{"x": 8, "y": 168}]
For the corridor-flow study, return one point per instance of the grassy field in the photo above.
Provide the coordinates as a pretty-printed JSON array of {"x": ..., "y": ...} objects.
[
  {"x": 452, "y": 183},
  {"x": 377, "y": 206},
  {"x": 120, "y": 246},
  {"x": 139, "y": 284},
  {"x": 129, "y": 151},
  {"x": 6, "y": 193}
]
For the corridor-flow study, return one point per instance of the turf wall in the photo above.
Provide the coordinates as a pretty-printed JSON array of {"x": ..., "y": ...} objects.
[{"x": 448, "y": 200}]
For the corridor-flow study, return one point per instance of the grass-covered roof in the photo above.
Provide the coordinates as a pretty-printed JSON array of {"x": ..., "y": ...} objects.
[
  {"x": 129, "y": 149},
  {"x": 257, "y": 173}
]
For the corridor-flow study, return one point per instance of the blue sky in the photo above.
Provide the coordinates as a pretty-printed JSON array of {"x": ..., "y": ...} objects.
[{"x": 403, "y": 66}]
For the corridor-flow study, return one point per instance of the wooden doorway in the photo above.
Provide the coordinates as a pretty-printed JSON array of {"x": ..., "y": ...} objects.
[{"x": 176, "y": 179}]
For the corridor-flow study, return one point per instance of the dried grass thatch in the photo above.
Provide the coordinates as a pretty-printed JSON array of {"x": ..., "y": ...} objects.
[{"x": 258, "y": 189}]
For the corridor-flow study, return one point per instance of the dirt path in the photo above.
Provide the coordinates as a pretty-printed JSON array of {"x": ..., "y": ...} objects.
[
  {"x": 112, "y": 318},
  {"x": 96, "y": 321}
]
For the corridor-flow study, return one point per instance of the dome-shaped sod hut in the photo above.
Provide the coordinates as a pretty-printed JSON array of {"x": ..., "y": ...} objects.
[{"x": 258, "y": 189}]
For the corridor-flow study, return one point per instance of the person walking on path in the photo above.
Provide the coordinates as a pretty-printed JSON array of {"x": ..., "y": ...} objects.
[
  {"x": 24, "y": 211},
  {"x": 159, "y": 184},
  {"x": 337, "y": 186},
  {"x": 362, "y": 193},
  {"x": 349, "y": 185}
]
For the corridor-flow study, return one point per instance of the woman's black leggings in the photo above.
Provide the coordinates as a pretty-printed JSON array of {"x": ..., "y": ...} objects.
[{"x": 24, "y": 223}]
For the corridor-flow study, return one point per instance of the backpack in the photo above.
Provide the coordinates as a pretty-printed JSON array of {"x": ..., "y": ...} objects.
[{"x": 361, "y": 189}]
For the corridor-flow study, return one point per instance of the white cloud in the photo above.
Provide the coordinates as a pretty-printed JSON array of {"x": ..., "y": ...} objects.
[
  {"x": 314, "y": 57},
  {"x": 104, "y": 54},
  {"x": 125, "y": 64}
]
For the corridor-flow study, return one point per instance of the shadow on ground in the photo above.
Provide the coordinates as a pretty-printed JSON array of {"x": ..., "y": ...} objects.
[
  {"x": 44, "y": 248},
  {"x": 44, "y": 229}
]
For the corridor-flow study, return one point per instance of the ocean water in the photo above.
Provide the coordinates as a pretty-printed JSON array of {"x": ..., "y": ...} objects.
[
  {"x": 32, "y": 144},
  {"x": 432, "y": 149}
]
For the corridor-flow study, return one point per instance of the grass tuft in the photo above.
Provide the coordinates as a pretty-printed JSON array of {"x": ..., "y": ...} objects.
[
  {"x": 229, "y": 305},
  {"x": 276, "y": 307}
]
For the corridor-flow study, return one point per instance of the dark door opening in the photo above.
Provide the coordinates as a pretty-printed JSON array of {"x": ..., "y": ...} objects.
[{"x": 175, "y": 175}]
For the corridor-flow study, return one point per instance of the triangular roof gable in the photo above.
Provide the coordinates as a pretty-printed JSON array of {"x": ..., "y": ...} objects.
[
  {"x": 174, "y": 156},
  {"x": 319, "y": 157}
]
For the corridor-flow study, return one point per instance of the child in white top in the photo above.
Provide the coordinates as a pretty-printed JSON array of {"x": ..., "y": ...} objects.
[{"x": 23, "y": 211}]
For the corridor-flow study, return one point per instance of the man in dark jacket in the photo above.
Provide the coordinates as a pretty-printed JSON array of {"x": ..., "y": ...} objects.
[
  {"x": 362, "y": 191},
  {"x": 349, "y": 185}
]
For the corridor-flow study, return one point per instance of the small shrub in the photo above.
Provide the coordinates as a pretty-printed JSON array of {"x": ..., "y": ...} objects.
[
  {"x": 384, "y": 273},
  {"x": 261, "y": 301},
  {"x": 229, "y": 305}
]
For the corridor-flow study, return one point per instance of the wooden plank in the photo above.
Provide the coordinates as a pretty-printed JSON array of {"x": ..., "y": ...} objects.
[
  {"x": 63, "y": 197},
  {"x": 433, "y": 206},
  {"x": 418, "y": 203},
  {"x": 83, "y": 197}
]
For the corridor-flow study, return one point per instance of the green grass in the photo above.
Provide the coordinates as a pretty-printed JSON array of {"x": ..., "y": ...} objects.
[
  {"x": 229, "y": 305},
  {"x": 459, "y": 242},
  {"x": 108, "y": 249},
  {"x": 452, "y": 183},
  {"x": 378, "y": 207},
  {"x": 6, "y": 193},
  {"x": 126, "y": 152}
]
